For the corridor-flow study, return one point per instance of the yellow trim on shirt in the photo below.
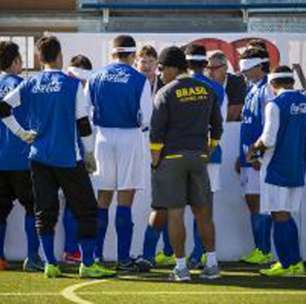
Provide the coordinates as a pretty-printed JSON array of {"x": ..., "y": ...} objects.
[
  {"x": 173, "y": 156},
  {"x": 156, "y": 146}
]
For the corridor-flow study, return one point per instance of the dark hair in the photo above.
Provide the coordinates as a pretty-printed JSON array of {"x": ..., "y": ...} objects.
[
  {"x": 9, "y": 51},
  {"x": 257, "y": 43},
  {"x": 124, "y": 41},
  {"x": 282, "y": 82},
  {"x": 81, "y": 61},
  {"x": 48, "y": 48},
  {"x": 196, "y": 49},
  {"x": 148, "y": 50},
  {"x": 257, "y": 53}
]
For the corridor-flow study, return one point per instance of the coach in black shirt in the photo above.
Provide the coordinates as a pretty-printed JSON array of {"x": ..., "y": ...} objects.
[
  {"x": 234, "y": 86},
  {"x": 183, "y": 111}
]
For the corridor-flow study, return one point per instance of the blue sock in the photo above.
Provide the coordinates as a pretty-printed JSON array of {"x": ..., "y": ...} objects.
[
  {"x": 150, "y": 243},
  {"x": 2, "y": 239},
  {"x": 101, "y": 231},
  {"x": 70, "y": 227},
  {"x": 295, "y": 256},
  {"x": 87, "y": 247},
  {"x": 32, "y": 237},
  {"x": 167, "y": 246},
  {"x": 47, "y": 242},
  {"x": 261, "y": 227},
  {"x": 198, "y": 247},
  {"x": 124, "y": 228}
]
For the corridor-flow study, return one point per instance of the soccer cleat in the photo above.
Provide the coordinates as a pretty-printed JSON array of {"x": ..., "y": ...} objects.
[
  {"x": 4, "y": 264},
  {"x": 33, "y": 265},
  {"x": 52, "y": 271},
  {"x": 129, "y": 266},
  {"x": 72, "y": 258},
  {"x": 204, "y": 259},
  {"x": 180, "y": 275},
  {"x": 256, "y": 256},
  {"x": 193, "y": 263},
  {"x": 276, "y": 270},
  {"x": 164, "y": 260},
  {"x": 143, "y": 265},
  {"x": 95, "y": 271},
  {"x": 210, "y": 273}
]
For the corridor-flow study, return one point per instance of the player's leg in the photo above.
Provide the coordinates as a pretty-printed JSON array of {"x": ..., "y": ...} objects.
[
  {"x": 286, "y": 243},
  {"x": 105, "y": 177},
  {"x": 22, "y": 184},
  {"x": 46, "y": 206},
  {"x": 84, "y": 207},
  {"x": 130, "y": 163},
  {"x": 104, "y": 202},
  {"x": 6, "y": 205},
  {"x": 260, "y": 223},
  {"x": 72, "y": 254}
]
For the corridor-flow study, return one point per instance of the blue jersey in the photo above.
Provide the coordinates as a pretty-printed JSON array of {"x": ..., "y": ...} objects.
[
  {"x": 216, "y": 157},
  {"x": 13, "y": 151},
  {"x": 252, "y": 118},
  {"x": 287, "y": 165},
  {"x": 115, "y": 92},
  {"x": 52, "y": 114}
]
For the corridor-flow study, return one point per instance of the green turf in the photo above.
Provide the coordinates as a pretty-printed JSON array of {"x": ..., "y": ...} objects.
[{"x": 155, "y": 288}]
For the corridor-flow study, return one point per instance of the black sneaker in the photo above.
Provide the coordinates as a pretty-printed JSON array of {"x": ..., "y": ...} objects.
[
  {"x": 143, "y": 265},
  {"x": 129, "y": 266}
]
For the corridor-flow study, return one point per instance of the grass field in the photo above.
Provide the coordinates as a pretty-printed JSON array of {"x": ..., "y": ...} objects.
[{"x": 239, "y": 284}]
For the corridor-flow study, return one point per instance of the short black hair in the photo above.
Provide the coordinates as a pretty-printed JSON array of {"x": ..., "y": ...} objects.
[
  {"x": 196, "y": 49},
  {"x": 9, "y": 51},
  {"x": 81, "y": 61},
  {"x": 281, "y": 82},
  {"x": 257, "y": 53},
  {"x": 124, "y": 41},
  {"x": 257, "y": 43},
  {"x": 48, "y": 48},
  {"x": 173, "y": 56}
]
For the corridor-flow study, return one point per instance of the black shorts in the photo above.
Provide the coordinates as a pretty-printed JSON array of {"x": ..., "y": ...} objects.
[{"x": 181, "y": 179}]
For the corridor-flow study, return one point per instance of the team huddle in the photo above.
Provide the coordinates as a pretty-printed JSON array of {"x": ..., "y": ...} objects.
[{"x": 59, "y": 129}]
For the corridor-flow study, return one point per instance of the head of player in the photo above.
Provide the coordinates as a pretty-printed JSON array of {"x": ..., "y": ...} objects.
[
  {"x": 49, "y": 52},
  {"x": 171, "y": 63},
  {"x": 10, "y": 58},
  {"x": 281, "y": 78},
  {"x": 217, "y": 67},
  {"x": 124, "y": 49},
  {"x": 254, "y": 64},
  {"x": 80, "y": 67},
  {"x": 147, "y": 61},
  {"x": 196, "y": 58},
  {"x": 257, "y": 43}
]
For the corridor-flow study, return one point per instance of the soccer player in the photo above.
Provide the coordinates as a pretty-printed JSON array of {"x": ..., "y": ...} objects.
[
  {"x": 147, "y": 61},
  {"x": 183, "y": 110},
  {"x": 197, "y": 61},
  {"x": 282, "y": 174},
  {"x": 234, "y": 86},
  {"x": 254, "y": 64},
  {"x": 57, "y": 106},
  {"x": 80, "y": 67},
  {"x": 121, "y": 97},
  {"x": 15, "y": 179}
]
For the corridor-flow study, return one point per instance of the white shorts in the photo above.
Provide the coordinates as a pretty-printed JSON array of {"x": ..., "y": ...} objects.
[
  {"x": 276, "y": 198},
  {"x": 120, "y": 155},
  {"x": 249, "y": 180},
  {"x": 214, "y": 171}
]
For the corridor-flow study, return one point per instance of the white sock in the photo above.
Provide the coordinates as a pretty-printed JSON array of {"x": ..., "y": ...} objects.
[
  {"x": 211, "y": 259},
  {"x": 181, "y": 263}
]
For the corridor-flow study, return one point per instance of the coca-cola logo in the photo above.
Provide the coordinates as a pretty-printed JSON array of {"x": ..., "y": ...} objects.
[{"x": 233, "y": 49}]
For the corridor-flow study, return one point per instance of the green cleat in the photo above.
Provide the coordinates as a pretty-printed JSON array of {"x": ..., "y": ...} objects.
[
  {"x": 276, "y": 270},
  {"x": 164, "y": 260},
  {"x": 52, "y": 271},
  {"x": 204, "y": 259},
  {"x": 95, "y": 271},
  {"x": 256, "y": 256}
]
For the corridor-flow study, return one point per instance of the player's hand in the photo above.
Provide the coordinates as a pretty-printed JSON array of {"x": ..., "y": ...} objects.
[
  {"x": 27, "y": 136},
  {"x": 256, "y": 165},
  {"x": 237, "y": 166},
  {"x": 90, "y": 162}
]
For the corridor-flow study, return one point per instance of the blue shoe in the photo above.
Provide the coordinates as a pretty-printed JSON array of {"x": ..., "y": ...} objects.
[{"x": 33, "y": 265}]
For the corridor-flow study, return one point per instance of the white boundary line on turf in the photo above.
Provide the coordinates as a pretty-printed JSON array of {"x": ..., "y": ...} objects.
[{"x": 69, "y": 292}]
